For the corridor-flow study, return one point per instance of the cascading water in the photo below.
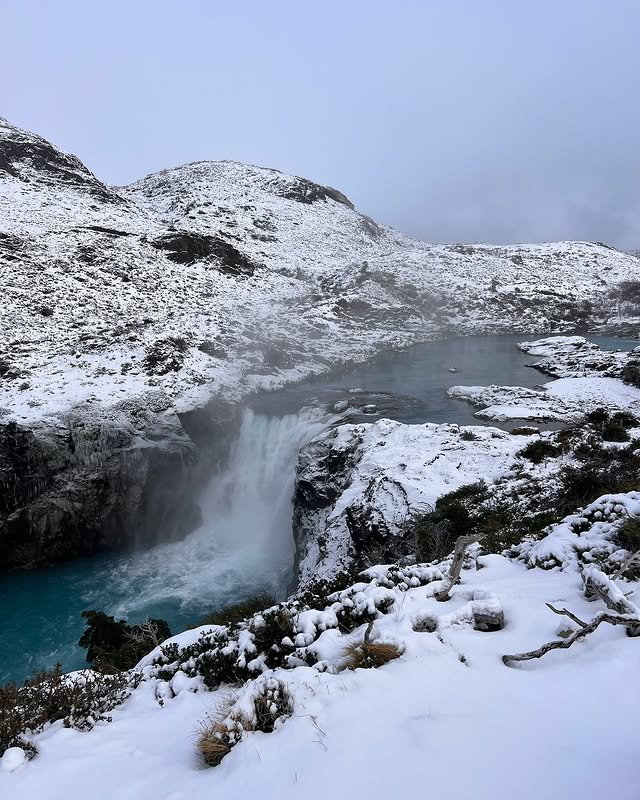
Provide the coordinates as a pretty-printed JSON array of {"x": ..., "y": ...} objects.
[
  {"x": 244, "y": 546},
  {"x": 245, "y": 542}
]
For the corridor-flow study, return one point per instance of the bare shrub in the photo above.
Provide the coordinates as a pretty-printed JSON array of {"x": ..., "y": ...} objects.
[{"x": 79, "y": 700}]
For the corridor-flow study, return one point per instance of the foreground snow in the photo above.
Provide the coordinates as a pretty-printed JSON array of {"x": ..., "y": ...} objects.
[{"x": 565, "y": 726}]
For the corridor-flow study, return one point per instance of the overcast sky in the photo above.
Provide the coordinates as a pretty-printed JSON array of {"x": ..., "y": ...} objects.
[{"x": 452, "y": 120}]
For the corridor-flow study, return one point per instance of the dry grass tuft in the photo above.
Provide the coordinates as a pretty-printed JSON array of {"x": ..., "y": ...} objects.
[
  {"x": 233, "y": 720},
  {"x": 214, "y": 738},
  {"x": 213, "y": 750},
  {"x": 369, "y": 655}
]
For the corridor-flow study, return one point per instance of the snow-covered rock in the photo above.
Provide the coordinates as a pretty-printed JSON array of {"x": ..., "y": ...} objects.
[
  {"x": 564, "y": 400},
  {"x": 575, "y": 357},
  {"x": 589, "y": 378},
  {"x": 359, "y": 484}
]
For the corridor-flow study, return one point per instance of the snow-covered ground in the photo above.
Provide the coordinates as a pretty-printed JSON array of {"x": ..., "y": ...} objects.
[{"x": 447, "y": 717}]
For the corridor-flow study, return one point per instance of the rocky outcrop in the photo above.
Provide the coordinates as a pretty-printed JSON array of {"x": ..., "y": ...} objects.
[
  {"x": 185, "y": 247},
  {"x": 358, "y": 486},
  {"x": 576, "y": 357},
  {"x": 304, "y": 191},
  {"x": 28, "y": 157}
]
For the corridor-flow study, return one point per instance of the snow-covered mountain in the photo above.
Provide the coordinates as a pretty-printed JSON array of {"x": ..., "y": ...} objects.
[{"x": 218, "y": 277}]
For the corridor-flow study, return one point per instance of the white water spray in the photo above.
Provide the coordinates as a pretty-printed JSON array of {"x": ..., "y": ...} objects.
[{"x": 245, "y": 543}]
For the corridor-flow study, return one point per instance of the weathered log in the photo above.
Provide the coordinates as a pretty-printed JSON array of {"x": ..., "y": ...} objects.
[
  {"x": 563, "y": 644},
  {"x": 462, "y": 542}
]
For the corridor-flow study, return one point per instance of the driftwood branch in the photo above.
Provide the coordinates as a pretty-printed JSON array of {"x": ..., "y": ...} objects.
[
  {"x": 462, "y": 542},
  {"x": 563, "y": 644},
  {"x": 597, "y": 584}
]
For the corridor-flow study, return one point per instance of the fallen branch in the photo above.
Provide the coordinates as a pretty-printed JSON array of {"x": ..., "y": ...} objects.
[
  {"x": 563, "y": 644},
  {"x": 462, "y": 542},
  {"x": 597, "y": 584}
]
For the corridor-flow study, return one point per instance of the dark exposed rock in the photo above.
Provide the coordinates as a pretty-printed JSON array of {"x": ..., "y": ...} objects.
[
  {"x": 304, "y": 191},
  {"x": 108, "y": 231},
  {"x": 95, "y": 486},
  {"x": 212, "y": 349},
  {"x": 185, "y": 247},
  {"x": 24, "y": 155},
  {"x": 92, "y": 488}
]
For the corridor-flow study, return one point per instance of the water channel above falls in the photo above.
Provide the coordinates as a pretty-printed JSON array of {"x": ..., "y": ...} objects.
[{"x": 245, "y": 543}]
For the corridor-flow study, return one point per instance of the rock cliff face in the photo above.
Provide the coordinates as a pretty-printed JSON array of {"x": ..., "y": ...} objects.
[
  {"x": 205, "y": 283},
  {"x": 85, "y": 486}
]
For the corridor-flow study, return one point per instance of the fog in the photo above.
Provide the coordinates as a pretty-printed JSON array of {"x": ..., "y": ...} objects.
[{"x": 458, "y": 121}]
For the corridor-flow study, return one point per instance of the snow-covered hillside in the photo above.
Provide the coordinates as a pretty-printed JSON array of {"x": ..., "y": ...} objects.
[{"x": 218, "y": 278}]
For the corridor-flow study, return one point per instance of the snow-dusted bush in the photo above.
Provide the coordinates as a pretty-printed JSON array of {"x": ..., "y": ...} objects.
[
  {"x": 261, "y": 706},
  {"x": 79, "y": 699}
]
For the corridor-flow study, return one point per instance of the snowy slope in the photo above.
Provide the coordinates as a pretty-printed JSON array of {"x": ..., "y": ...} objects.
[{"x": 447, "y": 715}]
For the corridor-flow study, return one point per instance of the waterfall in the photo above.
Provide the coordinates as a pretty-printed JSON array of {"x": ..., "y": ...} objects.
[{"x": 245, "y": 543}]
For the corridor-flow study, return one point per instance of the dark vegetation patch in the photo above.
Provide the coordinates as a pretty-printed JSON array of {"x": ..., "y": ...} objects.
[
  {"x": 236, "y": 612},
  {"x": 113, "y": 645},
  {"x": 165, "y": 355},
  {"x": 540, "y": 449},
  {"x": 631, "y": 371},
  {"x": 498, "y": 521},
  {"x": 628, "y": 535}
]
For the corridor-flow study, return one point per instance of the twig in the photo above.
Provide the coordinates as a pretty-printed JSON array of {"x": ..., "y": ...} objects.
[{"x": 563, "y": 612}]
